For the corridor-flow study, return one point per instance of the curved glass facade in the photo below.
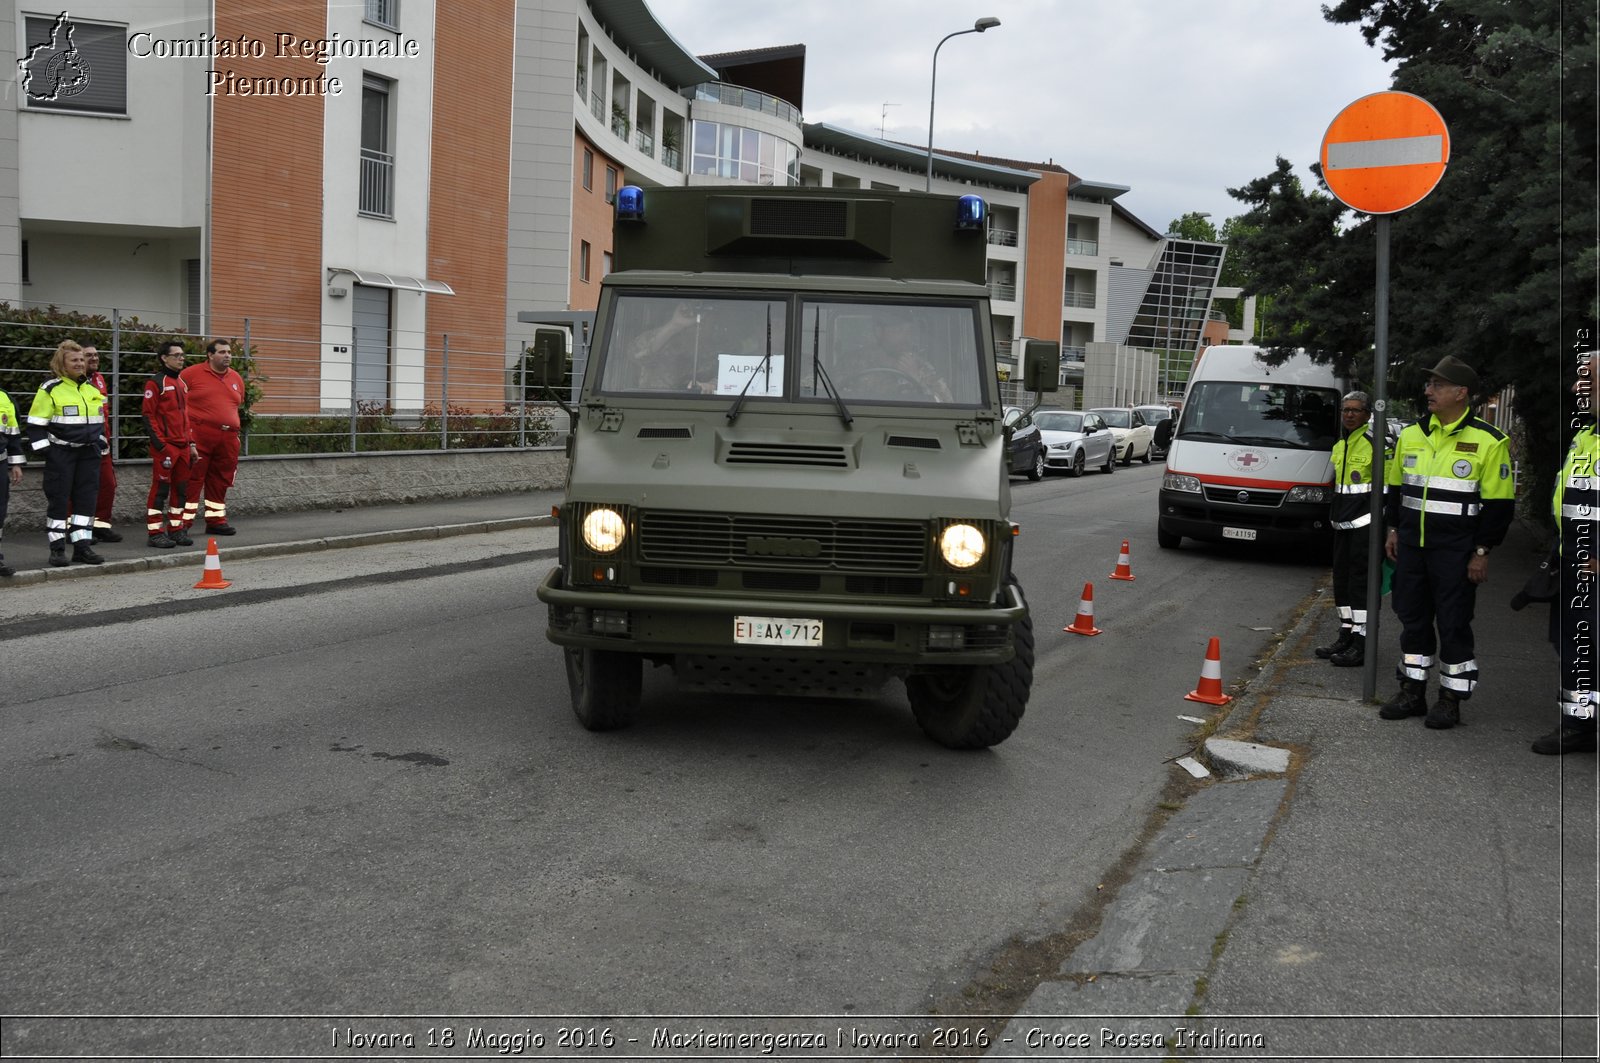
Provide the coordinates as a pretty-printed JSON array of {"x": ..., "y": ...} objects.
[{"x": 721, "y": 149}]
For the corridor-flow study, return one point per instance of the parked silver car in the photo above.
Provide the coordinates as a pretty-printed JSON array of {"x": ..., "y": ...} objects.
[{"x": 1074, "y": 440}]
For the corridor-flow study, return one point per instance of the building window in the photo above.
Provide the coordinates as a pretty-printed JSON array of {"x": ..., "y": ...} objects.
[
  {"x": 611, "y": 184},
  {"x": 72, "y": 65},
  {"x": 583, "y": 261},
  {"x": 588, "y": 170},
  {"x": 377, "y": 163},
  {"x": 385, "y": 13},
  {"x": 740, "y": 154},
  {"x": 605, "y": 264}
]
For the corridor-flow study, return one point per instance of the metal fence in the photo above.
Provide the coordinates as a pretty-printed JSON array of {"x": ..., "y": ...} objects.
[{"x": 361, "y": 389}]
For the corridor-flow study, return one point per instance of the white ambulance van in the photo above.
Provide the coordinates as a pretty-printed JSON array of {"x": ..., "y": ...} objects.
[{"x": 1250, "y": 454}]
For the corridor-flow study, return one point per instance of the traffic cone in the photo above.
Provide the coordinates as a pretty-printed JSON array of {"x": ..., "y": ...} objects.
[
  {"x": 1210, "y": 689},
  {"x": 212, "y": 580},
  {"x": 1124, "y": 570},
  {"x": 1083, "y": 623}
]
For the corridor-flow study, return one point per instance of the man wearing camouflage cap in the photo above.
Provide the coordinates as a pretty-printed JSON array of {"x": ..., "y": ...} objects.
[{"x": 1449, "y": 501}]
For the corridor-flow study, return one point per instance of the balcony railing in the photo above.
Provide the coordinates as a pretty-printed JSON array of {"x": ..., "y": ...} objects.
[
  {"x": 597, "y": 105},
  {"x": 1082, "y": 300},
  {"x": 1003, "y": 291},
  {"x": 583, "y": 83},
  {"x": 672, "y": 158},
  {"x": 377, "y": 183},
  {"x": 1083, "y": 247},
  {"x": 1003, "y": 348},
  {"x": 749, "y": 99},
  {"x": 1072, "y": 355},
  {"x": 645, "y": 142},
  {"x": 1003, "y": 237},
  {"x": 619, "y": 126}
]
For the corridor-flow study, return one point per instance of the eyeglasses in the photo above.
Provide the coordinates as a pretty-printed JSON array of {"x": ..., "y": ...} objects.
[{"x": 1354, "y": 409}]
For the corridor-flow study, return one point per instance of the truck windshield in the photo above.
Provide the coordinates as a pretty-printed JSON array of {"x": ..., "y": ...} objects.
[
  {"x": 1268, "y": 415},
  {"x": 871, "y": 352},
  {"x": 696, "y": 344}
]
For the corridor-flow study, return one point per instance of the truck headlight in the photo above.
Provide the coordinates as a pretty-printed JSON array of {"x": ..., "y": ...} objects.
[
  {"x": 1306, "y": 493},
  {"x": 604, "y": 530},
  {"x": 962, "y": 545},
  {"x": 1177, "y": 482}
]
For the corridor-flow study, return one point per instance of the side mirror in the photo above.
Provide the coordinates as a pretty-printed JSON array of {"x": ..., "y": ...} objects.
[
  {"x": 547, "y": 358},
  {"x": 1164, "y": 433},
  {"x": 1041, "y": 365}
]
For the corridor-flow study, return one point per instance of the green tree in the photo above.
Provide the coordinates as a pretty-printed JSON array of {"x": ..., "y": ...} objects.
[{"x": 1193, "y": 226}]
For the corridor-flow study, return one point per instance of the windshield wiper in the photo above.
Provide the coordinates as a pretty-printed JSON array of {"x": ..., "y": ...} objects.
[
  {"x": 764, "y": 367},
  {"x": 1206, "y": 435},
  {"x": 821, "y": 373}
]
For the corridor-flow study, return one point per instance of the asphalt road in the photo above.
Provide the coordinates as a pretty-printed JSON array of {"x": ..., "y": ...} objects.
[{"x": 374, "y": 800}]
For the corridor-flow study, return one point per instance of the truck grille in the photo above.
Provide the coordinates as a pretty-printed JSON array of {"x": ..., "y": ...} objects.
[
  {"x": 1230, "y": 495},
  {"x": 782, "y": 541}
]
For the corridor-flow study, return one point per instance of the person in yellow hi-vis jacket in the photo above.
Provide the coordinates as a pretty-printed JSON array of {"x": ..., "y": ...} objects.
[
  {"x": 1576, "y": 606},
  {"x": 66, "y": 428},
  {"x": 11, "y": 450},
  {"x": 1449, "y": 501},
  {"x": 1354, "y": 473}
]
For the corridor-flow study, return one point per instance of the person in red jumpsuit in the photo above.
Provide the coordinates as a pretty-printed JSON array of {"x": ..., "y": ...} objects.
[
  {"x": 216, "y": 392},
  {"x": 166, "y": 421},
  {"x": 103, "y": 532}
]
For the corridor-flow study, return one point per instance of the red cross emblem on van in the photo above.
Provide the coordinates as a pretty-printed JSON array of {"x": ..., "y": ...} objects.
[{"x": 1245, "y": 460}]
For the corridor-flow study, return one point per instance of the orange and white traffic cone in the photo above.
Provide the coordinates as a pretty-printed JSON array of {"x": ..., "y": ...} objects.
[
  {"x": 1083, "y": 623},
  {"x": 1210, "y": 689},
  {"x": 1124, "y": 569},
  {"x": 212, "y": 579}
]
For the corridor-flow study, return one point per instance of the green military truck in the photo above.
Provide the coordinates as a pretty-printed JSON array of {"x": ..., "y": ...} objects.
[{"x": 788, "y": 470}]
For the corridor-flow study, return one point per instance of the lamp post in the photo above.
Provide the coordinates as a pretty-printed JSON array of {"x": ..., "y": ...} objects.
[{"x": 985, "y": 23}]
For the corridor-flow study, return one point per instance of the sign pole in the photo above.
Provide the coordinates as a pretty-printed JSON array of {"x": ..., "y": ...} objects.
[{"x": 1380, "y": 406}]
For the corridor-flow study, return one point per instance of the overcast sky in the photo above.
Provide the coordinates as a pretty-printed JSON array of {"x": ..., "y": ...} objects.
[{"x": 1179, "y": 100}]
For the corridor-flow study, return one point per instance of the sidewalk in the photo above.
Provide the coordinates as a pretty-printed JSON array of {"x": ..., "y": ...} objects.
[
  {"x": 1398, "y": 892},
  {"x": 271, "y": 534}
]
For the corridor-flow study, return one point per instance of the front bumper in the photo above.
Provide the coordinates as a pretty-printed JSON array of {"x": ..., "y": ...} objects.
[
  {"x": 1197, "y": 517},
  {"x": 666, "y": 625}
]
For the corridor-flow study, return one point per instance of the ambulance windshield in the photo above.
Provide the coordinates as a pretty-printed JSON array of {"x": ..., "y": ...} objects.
[{"x": 1290, "y": 416}]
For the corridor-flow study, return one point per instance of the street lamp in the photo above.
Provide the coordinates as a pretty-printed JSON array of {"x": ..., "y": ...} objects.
[{"x": 985, "y": 23}]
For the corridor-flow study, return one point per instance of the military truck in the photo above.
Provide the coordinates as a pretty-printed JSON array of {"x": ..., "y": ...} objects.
[{"x": 787, "y": 461}]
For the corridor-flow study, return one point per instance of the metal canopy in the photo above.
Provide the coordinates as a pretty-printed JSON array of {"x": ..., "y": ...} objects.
[{"x": 393, "y": 280}]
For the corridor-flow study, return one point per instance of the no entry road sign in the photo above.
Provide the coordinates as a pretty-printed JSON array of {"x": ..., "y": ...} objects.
[{"x": 1385, "y": 152}]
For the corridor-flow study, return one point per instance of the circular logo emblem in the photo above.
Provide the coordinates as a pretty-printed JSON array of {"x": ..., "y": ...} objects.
[
  {"x": 1355, "y": 476},
  {"x": 1245, "y": 460},
  {"x": 1244, "y": 496},
  {"x": 1462, "y": 468}
]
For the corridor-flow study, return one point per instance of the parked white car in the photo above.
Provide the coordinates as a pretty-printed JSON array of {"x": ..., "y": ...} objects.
[
  {"x": 1075, "y": 440},
  {"x": 1153, "y": 416},
  {"x": 1134, "y": 436}
]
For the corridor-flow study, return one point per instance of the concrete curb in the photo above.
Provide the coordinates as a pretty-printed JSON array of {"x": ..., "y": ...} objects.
[{"x": 299, "y": 546}]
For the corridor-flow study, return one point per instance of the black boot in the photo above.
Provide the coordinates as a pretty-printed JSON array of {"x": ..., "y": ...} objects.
[
  {"x": 1353, "y": 655},
  {"x": 84, "y": 554},
  {"x": 1411, "y": 701},
  {"x": 161, "y": 542},
  {"x": 1446, "y": 712},
  {"x": 1338, "y": 645},
  {"x": 106, "y": 535},
  {"x": 58, "y": 554},
  {"x": 180, "y": 536},
  {"x": 1567, "y": 739}
]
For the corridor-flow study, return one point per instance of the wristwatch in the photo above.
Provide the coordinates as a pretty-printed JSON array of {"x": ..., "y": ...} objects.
[{"x": 1481, "y": 551}]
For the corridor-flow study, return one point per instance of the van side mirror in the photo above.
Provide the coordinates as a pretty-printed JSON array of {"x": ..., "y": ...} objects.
[
  {"x": 1041, "y": 365},
  {"x": 547, "y": 358}
]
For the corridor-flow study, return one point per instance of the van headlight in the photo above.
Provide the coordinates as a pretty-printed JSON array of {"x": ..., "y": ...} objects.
[
  {"x": 962, "y": 545},
  {"x": 603, "y": 530},
  {"x": 1173, "y": 481},
  {"x": 1306, "y": 493}
]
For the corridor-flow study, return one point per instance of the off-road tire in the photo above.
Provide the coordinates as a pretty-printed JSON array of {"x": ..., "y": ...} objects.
[
  {"x": 605, "y": 687},
  {"x": 978, "y": 706},
  {"x": 1036, "y": 470},
  {"x": 1079, "y": 460}
]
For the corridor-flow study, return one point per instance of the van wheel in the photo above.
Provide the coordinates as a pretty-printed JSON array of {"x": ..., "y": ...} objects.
[
  {"x": 977, "y": 706},
  {"x": 1036, "y": 471},
  {"x": 1167, "y": 540},
  {"x": 605, "y": 687}
]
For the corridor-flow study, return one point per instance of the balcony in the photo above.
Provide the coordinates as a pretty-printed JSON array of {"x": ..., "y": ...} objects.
[
  {"x": 1003, "y": 237},
  {"x": 646, "y": 143},
  {"x": 1072, "y": 355},
  {"x": 1081, "y": 300},
  {"x": 1002, "y": 348},
  {"x": 672, "y": 158},
  {"x": 1083, "y": 247},
  {"x": 749, "y": 99},
  {"x": 619, "y": 126},
  {"x": 1003, "y": 290},
  {"x": 597, "y": 106},
  {"x": 377, "y": 184}
]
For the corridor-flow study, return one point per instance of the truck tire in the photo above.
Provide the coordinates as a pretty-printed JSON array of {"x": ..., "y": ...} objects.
[
  {"x": 605, "y": 687},
  {"x": 1167, "y": 540},
  {"x": 978, "y": 706}
]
